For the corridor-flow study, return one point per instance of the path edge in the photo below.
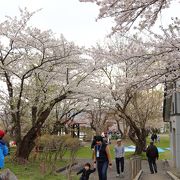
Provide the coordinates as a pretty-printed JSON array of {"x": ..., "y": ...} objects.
[
  {"x": 172, "y": 176},
  {"x": 138, "y": 175}
]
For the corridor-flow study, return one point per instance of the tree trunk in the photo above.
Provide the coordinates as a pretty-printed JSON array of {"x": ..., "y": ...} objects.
[
  {"x": 26, "y": 145},
  {"x": 66, "y": 130},
  {"x": 92, "y": 126},
  {"x": 141, "y": 144},
  {"x": 119, "y": 129},
  {"x": 139, "y": 148},
  {"x": 28, "y": 142},
  {"x": 138, "y": 136},
  {"x": 126, "y": 129}
]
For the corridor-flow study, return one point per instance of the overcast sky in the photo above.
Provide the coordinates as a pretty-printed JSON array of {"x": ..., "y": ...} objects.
[{"x": 75, "y": 20}]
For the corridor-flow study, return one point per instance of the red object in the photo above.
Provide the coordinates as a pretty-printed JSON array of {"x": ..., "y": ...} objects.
[
  {"x": 2, "y": 133},
  {"x": 14, "y": 143}
]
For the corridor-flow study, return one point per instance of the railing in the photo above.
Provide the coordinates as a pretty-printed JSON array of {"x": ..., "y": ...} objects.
[{"x": 135, "y": 165}]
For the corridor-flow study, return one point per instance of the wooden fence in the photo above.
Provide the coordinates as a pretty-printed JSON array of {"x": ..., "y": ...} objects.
[{"x": 135, "y": 165}]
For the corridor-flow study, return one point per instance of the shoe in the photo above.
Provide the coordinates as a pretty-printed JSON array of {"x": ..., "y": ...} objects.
[
  {"x": 152, "y": 172},
  {"x": 156, "y": 171},
  {"x": 122, "y": 174},
  {"x": 117, "y": 175}
]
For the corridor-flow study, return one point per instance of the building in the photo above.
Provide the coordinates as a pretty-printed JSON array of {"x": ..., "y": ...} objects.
[{"x": 171, "y": 114}]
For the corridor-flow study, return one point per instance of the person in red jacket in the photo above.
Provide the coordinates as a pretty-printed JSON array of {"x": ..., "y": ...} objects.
[{"x": 152, "y": 155}]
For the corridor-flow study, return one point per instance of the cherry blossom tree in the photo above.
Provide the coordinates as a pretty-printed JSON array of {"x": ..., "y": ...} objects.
[
  {"x": 127, "y": 13},
  {"x": 127, "y": 87},
  {"x": 150, "y": 61},
  {"x": 98, "y": 114},
  {"x": 162, "y": 48},
  {"x": 39, "y": 71},
  {"x": 65, "y": 112}
]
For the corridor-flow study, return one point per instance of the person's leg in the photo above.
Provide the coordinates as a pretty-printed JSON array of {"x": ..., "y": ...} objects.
[
  {"x": 99, "y": 168},
  {"x": 104, "y": 171},
  {"x": 117, "y": 165},
  {"x": 150, "y": 165},
  {"x": 154, "y": 164},
  {"x": 122, "y": 164}
]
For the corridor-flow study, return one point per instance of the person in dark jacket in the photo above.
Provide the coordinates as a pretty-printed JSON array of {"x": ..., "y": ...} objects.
[
  {"x": 3, "y": 149},
  {"x": 86, "y": 171},
  {"x": 155, "y": 137},
  {"x": 102, "y": 158},
  {"x": 152, "y": 137},
  {"x": 152, "y": 155}
]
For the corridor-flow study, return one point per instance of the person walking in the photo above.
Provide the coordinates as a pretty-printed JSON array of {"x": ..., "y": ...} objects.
[
  {"x": 152, "y": 137},
  {"x": 102, "y": 158},
  {"x": 86, "y": 171},
  {"x": 152, "y": 155},
  {"x": 155, "y": 137},
  {"x": 119, "y": 157},
  {"x": 3, "y": 149}
]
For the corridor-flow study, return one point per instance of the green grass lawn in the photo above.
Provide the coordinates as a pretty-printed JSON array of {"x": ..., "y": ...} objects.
[
  {"x": 86, "y": 152},
  {"x": 31, "y": 171}
]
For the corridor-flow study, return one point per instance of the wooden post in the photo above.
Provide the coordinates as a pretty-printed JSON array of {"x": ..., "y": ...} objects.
[
  {"x": 135, "y": 166},
  {"x": 78, "y": 130},
  {"x": 72, "y": 130}
]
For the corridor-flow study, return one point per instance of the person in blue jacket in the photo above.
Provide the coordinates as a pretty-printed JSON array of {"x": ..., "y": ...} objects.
[{"x": 3, "y": 149}]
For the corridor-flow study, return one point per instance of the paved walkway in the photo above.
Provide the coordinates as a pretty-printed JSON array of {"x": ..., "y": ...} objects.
[
  {"x": 161, "y": 175},
  {"x": 111, "y": 172}
]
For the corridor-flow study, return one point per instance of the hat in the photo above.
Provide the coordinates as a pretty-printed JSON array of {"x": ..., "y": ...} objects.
[
  {"x": 2, "y": 133},
  {"x": 119, "y": 140}
]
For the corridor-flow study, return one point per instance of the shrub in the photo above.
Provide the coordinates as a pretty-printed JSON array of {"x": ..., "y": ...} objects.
[{"x": 50, "y": 148}]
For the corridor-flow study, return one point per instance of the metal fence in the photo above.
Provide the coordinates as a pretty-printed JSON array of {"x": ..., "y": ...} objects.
[{"x": 135, "y": 165}]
